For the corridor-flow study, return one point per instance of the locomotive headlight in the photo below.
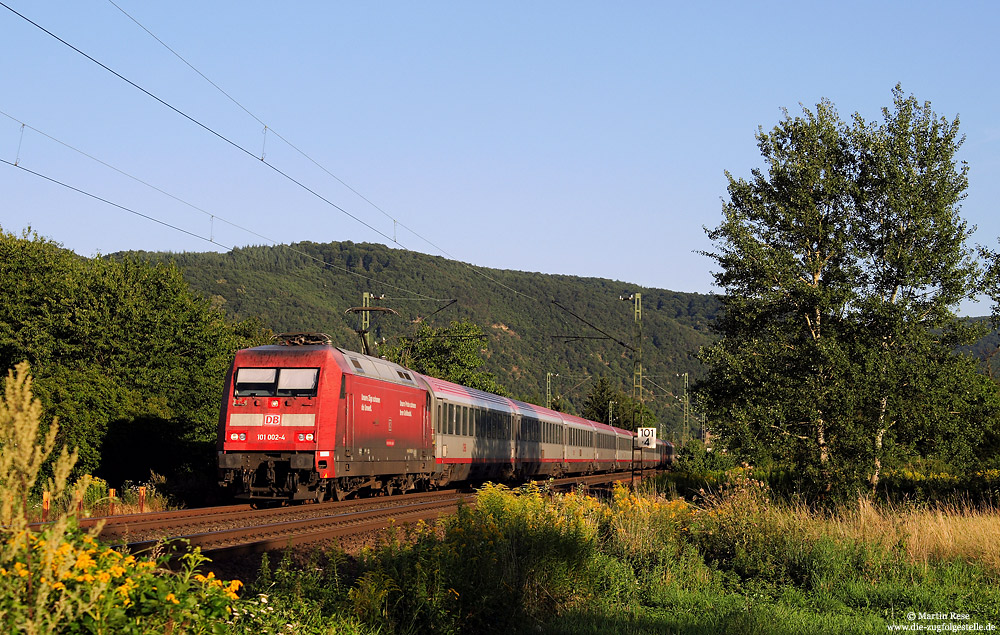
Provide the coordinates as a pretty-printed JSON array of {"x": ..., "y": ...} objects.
[
  {"x": 234, "y": 436},
  {"x": 309, "y": 437},
  {"x": 302, "y": 437},
  {"x": 243, "y": 436}
]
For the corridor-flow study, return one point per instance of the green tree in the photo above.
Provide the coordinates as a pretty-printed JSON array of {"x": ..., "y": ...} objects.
[
  {"x": 842, "y": 266},
  {"x": 786, "y": 262},
  {"x": 626, "y": 412},
  {"x": 124, "y": 353},
  {"x": 454, "y": 353},
  {"x": 915, "y": 266},
  {"x": 599, "y": 400}
]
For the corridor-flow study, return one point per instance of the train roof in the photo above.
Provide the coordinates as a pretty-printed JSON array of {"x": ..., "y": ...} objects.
[
  {"x": 355, "y": 363},
  {"x": 595, "y": 425},
  {"x": 467, "y": 396},
  {"x": 273, "y": 353},
  {"x": 538, "y": 412},
  {"x": 378, "y": 368}
]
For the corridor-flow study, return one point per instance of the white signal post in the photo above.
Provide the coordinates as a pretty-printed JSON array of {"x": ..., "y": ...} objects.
[{"x": 646, "y": 438}]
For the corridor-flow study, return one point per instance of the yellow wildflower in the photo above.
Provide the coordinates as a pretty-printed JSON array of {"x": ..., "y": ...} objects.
[{"x": 84, "y": 561}]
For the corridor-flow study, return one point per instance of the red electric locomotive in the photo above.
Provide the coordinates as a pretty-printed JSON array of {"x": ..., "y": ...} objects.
[{"x": 305, "y": 420}]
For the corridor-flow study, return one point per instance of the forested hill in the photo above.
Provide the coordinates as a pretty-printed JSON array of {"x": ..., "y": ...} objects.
[{"x": 290, "y": 289}]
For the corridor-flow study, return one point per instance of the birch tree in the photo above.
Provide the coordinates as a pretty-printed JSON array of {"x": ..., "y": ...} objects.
[{"x": 842, "y": 264}]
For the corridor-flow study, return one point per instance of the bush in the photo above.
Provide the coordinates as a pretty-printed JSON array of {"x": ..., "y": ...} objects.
[{"x": 60, "y": 579}]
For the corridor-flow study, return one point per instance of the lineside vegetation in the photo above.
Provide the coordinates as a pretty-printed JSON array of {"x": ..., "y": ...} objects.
[{"x": 732, "y": 560}]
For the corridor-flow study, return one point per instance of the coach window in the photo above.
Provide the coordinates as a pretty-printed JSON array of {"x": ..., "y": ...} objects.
[
  {"x": 465, "y": 421},
  {"x": 451, "y": 419}
]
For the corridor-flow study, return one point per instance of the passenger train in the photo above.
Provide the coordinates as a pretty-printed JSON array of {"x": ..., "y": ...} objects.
[{"x": 304, "y": 420}]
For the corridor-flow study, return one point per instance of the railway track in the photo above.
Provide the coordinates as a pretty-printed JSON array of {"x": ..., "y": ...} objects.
[{"x": 233, "y": 531}]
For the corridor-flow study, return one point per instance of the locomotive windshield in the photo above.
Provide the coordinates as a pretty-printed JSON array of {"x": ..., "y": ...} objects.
[{"x": 276, "y": 382}]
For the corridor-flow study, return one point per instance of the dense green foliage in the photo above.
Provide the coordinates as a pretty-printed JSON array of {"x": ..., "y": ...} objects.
[
  {"x": 57, "y": 578},
  {"x": 842, "y": 265},
  {"x": 291, "y": 289},
  {"x": 609, "y": 405},
  {"x": 128, "y": 358},
  {"x": 525, "y": 561}
]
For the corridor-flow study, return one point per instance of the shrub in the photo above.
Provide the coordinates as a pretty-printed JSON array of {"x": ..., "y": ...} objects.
[{"x": 60, "y": 579}]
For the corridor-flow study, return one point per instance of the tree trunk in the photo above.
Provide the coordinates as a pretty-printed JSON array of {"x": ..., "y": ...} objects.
[
  {"x": 879, "y": 434},
  {"x": 824, "y": 453}
]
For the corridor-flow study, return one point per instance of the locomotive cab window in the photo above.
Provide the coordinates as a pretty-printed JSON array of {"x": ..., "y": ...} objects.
[
  {"x": 297, "y": 382},
  {"x": 276, "y": 382},
  {"x": 255, "y": 382}
]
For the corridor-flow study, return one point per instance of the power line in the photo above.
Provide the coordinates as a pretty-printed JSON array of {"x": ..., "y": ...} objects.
[
  {"x": 213, "y": 216},
  {"x": 591, "y": 325},
  {"x": 201, "y": 125},
  {"x": 313, "y": 161},
  {"x": 209, "y": 239},
  {"x": 271, "y": 128},
  {"x": 113, "y": 204},
  {"x": 134, "y": 178},
  {"x": 261, "y": 159}
]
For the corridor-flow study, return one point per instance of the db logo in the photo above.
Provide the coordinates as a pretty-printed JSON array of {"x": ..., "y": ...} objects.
[{"x": 272, "y": 420}]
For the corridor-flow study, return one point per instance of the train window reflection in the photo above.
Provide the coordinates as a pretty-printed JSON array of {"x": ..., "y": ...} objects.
[
  {"x": 297, "y": 382},
  {"x": 276, "y": 382},
  {"x": 255, "y": 382}
]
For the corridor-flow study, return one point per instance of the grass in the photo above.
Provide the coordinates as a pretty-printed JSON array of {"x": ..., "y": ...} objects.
[
  {"x": 521, "y": 561},
  {"x": 529, "y": 561}
]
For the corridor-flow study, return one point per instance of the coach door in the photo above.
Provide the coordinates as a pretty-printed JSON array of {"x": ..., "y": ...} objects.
[{"x": 425, "y": 437}]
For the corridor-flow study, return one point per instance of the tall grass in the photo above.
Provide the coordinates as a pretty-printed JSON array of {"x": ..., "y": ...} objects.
[
  {"x": 929, "y": 535},
  {"x": 60, "y": 579},
  {"x": 527, "y": 561}
]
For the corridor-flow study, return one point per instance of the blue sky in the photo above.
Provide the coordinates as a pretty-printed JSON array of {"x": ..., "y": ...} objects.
[{"x": 581, "y": 138}]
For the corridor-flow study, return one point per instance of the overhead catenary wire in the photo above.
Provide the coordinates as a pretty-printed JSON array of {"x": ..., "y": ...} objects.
[
  {"x": 395, "y": 221},
  {"x": 211, "y": 215},
  {"x": 281, "y": 172},
  {"x": 133, "y": 177},
  {"x": 198, "y": 123},
  {"x": 251, "y": 154},
  {"x": 271, "y": 129},
  {"x": 209, "y": 239},
  {"x": 113, "y": 204}
]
